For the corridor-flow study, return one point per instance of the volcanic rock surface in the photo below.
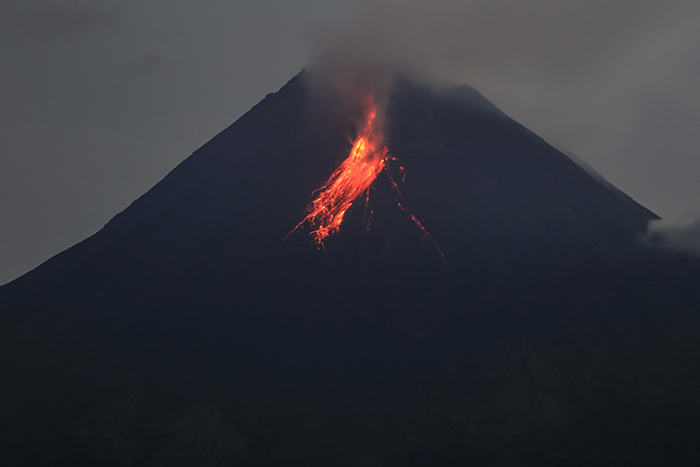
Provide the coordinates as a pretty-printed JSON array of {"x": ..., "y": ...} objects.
[{"x": 187, "y": 332}]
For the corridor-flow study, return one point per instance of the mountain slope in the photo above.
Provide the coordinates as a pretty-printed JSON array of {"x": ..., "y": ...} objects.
[{"x": 187, "y": 330}]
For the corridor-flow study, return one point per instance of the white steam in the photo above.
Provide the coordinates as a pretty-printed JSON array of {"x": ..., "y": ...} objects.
[
  {"x": 613, "y": 81},
  {"x": 681, "y": 234}
]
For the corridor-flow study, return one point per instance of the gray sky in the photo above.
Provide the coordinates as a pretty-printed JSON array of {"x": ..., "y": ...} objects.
[{"x": 101, "y": 98}]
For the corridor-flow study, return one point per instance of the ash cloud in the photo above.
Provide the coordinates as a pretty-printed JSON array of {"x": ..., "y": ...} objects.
[
  {"x": 681, "y": 234},
  {"x": 612, "y": 81},
  {"x": 448, "y": 35},
  {"x": 544, "y": 40}
]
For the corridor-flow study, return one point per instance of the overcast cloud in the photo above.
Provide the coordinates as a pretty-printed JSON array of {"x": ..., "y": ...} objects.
[{"x": 101, "y": 98}]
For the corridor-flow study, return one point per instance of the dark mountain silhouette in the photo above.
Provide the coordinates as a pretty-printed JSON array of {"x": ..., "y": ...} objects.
[{"x": 187, "y": 332}]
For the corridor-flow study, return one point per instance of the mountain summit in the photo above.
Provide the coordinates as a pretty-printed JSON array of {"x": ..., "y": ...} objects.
[{"x": 484, "y": 301}]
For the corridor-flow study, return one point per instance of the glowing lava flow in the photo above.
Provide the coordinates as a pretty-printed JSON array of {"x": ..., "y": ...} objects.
[
  {"x": 348, "y": 182},
  {"x": 353, "y": 178}
]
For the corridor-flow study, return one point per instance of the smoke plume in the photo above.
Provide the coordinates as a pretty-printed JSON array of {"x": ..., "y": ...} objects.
[
  {"x": 545, "y": 41},
  {"x": 610, "y": 81}
]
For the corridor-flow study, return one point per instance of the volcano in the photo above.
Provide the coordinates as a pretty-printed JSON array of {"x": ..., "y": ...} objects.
[{"x": 484, "y": 301}]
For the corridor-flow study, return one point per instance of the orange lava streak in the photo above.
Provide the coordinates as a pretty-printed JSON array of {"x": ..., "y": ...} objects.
[
  {"x": 368, "y": 157},
  {"x": 348, "y": 182},
  {"x": 416, "y": 221}
]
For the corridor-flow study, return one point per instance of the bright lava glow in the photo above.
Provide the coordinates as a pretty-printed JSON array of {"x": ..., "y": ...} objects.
[
  {"x": 368, "y": 157},
  {"x": 348, "y": 182}
]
